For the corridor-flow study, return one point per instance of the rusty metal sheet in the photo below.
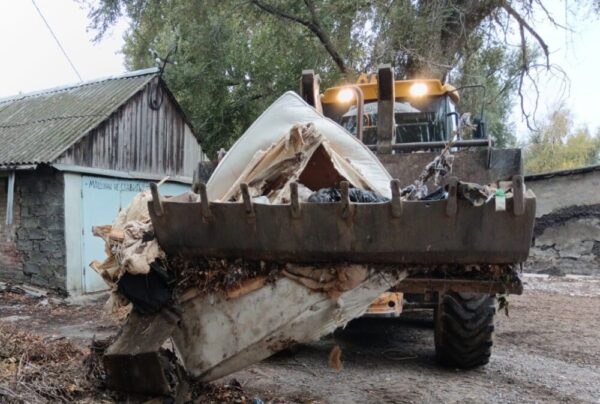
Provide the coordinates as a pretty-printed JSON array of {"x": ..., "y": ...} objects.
[
  {"x": 417, "y": 285},
  {"x": 420, "y": 232}
]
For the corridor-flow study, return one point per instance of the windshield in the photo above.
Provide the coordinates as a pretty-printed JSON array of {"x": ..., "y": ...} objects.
[{"x": 417, "y": 120}]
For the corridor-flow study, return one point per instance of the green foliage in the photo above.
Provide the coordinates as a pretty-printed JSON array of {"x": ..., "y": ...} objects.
[
  {"x": 232, "y": 61},
  {"x": 234, "y": 57},
  {"x": 558, "y": 145},
  {"x": 495, "y": 68}
]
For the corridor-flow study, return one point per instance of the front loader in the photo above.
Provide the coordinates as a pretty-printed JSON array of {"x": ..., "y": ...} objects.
[
  {"x": 406, "y": 123},
  {"x": 302, "y": 266}
]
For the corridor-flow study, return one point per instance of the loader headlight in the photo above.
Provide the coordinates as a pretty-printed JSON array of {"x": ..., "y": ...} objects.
[
  {"x": 345, "y": 95},
  {"x": 418, "y": 89}
]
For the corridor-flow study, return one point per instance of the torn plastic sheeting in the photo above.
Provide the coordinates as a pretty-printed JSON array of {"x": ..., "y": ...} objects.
[{"x": 274, "y": 124}]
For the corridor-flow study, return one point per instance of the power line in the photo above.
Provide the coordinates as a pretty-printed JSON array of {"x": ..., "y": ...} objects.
[{"x": 57, "y": 41}]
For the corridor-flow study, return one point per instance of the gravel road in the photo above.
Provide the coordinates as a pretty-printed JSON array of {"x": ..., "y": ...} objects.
[{"x": 547, "y": 350}]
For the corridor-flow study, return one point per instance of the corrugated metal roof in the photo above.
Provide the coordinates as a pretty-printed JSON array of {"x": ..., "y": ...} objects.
[{"x": 39, "y": 127}]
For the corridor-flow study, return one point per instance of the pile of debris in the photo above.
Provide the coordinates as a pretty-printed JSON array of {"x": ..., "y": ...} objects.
[
  {"x": 223, "y": 314},
  {"x": 34, "y": 369},
  {"x": 304, "y": 157}
]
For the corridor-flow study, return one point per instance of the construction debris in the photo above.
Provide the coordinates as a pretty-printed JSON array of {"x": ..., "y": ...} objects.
[
  {"x": 184, "y": 265},
  {"x": 332, "y": 280},
  {"x": 355, "y": 194},
  {"x": 130, "y": 243},
  {"x": 438, "y": 168},
  {"x": 38, "y": 370},
  {"x": 22, "y": 289},
  {"x": 303, "y": 156}
]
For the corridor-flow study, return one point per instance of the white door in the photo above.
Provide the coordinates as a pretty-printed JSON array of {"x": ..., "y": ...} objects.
[{"x": 102, "y": 199}]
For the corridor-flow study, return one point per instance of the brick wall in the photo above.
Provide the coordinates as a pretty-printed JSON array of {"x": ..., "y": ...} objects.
[{"x": 38, "y": 234}]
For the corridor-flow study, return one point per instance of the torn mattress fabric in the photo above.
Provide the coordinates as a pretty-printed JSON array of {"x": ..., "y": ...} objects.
[{"x": 344, "y": 150}]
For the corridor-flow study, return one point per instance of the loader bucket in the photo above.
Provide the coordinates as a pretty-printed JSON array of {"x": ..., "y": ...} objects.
[{"x": 450, "y": 231}]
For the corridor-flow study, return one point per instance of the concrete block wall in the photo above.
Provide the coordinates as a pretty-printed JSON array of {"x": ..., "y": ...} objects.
[
  {"x": 567, "y": 229},
  {"x": 11, "y": 261},
  {"x": 39, "y": 235}
]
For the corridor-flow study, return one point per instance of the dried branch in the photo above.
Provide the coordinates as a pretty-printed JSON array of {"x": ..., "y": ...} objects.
[
  {"x": 312, "y": 24},
  {"x": 524, "y": 25},
  {"x": 551, "y": 17}
]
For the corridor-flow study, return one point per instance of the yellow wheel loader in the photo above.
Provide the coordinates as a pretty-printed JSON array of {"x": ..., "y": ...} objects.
[
  {"x": 419, "y": 117},
  {"x": 363, "y": 195}
]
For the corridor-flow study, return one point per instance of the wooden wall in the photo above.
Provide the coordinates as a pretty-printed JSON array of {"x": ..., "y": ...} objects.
[{"x": 136, "y": 138}]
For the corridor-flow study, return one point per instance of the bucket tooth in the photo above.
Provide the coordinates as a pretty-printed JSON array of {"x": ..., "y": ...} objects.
[
  {"x": 451, "y": 202},
  {"x": 294, "y": 200},
  {"x": 196, "y": 179},
  {"x": 204, "y": 203},
  {"x": 345, "y": 201},
  {"x": 247, "y": 200},
  {"x": 157, "y": 200},
  {"x": 396, "y": 202},
  {"x": 518, "y": 195}
]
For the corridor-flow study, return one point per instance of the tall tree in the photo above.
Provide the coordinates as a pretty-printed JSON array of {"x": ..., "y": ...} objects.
[
  {"x": 559, "y": 145},
  {"x": 235, "y": 56}
]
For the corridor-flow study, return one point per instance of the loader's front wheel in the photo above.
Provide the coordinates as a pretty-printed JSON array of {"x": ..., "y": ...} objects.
[{"x": 464, "y": 324}]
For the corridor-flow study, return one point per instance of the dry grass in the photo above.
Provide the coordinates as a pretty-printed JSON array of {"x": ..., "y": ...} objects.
[{"x": 37, "y": 370}]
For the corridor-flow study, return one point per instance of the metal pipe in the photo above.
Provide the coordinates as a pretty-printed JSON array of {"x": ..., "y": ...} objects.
[
  {"x": 360, "y": 107},
  {"x": 10, "y": 197},
  {"x": 435, "y": 145}
]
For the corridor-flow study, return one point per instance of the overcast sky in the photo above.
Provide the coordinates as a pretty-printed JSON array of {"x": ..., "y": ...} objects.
[{"x": 31, "y": 59}]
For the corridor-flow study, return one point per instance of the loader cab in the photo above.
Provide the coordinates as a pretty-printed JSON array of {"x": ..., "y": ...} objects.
[
  {"x": 428, "y": 119},
  {"x": 424, "y": 110}
]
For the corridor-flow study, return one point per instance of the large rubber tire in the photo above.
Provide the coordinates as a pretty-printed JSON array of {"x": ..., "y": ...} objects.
[{"x": 464, "y": 326}]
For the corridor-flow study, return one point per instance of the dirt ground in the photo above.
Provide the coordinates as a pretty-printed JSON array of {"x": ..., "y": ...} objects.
[{"x": 547, "y": 350}]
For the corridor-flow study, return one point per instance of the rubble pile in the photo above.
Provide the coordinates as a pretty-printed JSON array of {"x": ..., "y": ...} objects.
[{"x": 305, "y": 157}]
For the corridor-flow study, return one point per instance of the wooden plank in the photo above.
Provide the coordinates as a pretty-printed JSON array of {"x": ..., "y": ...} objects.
[{"x": 309, "y": 89}]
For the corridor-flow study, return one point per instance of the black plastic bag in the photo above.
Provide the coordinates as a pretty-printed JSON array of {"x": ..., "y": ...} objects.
[
  {"x": 148, "y": 293},
  {"x": 325, "y": 195},
  {"x": 437, "y": 195}
]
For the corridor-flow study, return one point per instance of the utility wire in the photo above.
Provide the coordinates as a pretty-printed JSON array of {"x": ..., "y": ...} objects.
[{"x": 57, "y": 41}]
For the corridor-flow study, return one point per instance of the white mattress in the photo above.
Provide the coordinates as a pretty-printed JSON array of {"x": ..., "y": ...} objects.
[{"x": 275, "y": 123}]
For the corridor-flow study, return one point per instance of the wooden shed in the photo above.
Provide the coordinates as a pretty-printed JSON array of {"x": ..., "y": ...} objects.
[{"x": 70, "y": 158}]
